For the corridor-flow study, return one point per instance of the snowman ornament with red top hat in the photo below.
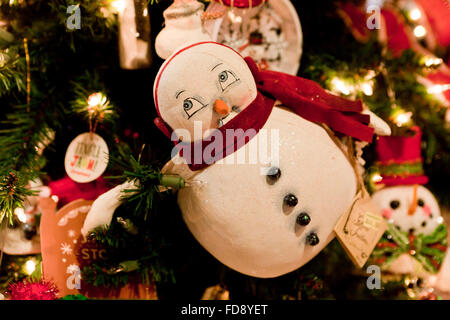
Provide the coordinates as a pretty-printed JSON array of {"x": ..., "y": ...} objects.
[{"x": 417, "y": 234}]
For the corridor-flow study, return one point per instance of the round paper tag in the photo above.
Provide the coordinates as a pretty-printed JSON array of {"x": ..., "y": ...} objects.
[{"x": 86, "y": 158}]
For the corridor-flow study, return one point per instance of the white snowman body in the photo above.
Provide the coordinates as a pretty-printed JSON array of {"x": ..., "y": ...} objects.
[
  {"x": 394, "y": 204},
  {"x": 242, "y": 220},
  {"x": 234, "y": 209}
]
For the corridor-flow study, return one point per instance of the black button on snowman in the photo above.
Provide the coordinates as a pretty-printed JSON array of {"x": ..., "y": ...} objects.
[{"x": 291, "y": 200}]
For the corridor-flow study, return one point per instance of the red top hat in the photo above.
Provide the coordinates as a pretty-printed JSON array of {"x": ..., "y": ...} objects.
[{"x": 399, "y": 159}]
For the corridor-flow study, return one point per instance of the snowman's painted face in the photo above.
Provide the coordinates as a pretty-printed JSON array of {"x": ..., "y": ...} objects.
[
  {"x": 395, "y": 202},
  {"x": 208, "y": 83}
]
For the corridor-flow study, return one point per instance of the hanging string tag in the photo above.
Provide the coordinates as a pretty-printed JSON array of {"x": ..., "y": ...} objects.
[
  {"x": 361, "y": 227},
  {"x": 87, "y": 155}
]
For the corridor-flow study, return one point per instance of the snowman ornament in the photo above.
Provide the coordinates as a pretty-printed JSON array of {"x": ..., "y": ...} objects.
[
  {"x": 411, "y": 209},
  {"x": 267, "y": 179},
  {"x": 269, "y": 216}
]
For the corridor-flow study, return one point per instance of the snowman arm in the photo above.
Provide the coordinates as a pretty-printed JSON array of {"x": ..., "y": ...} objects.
[
  {"x": 103, "y": 208},
  {"x": 380, "y": 126}
]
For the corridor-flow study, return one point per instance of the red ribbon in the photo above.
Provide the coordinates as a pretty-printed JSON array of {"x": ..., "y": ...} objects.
[{"x": 304, "y": 97}]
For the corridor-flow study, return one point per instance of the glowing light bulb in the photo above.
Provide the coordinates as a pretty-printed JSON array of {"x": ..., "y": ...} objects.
[
  {"x": 20, "y": 213},
  {"x": 95, "y": 99},
  {"x": 370, "y": 75},
  {"x": 367, "y": 88},
  {"x": 402, "y": 118},
  {"x": 145, "y": 12},
  {"x": 432, "y": 61},
  {"x": 29, "y": 267},
  {"x": 341, "y": 86},
  {"x": 415, "y": 14},
  {"x": 118, "y": 5},
  {"x": 376, "y": 178},
  {"x": 420, "y": 31}
]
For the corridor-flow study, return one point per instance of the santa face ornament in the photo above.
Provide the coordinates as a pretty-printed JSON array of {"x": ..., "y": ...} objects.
[{"x": 267, "y": 217}]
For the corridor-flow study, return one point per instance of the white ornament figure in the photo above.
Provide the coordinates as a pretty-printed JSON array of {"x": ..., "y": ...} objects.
[
  {"x": 183, "y": 26},
  {"x": 405, "y": 203},
  {"x": 263, "y": 218}
]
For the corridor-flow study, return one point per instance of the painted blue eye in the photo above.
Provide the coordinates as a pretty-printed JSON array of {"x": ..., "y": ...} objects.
[
  {"x": 226, "y": 79},
  {"x": 187, "y": 104},
  {"x": 192, "y": 105},
  {"x": 223, "y": 76}
]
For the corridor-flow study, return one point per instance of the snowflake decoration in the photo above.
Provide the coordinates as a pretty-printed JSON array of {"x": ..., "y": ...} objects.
[
  {"x": 65, "y": 248},
  {"x": 71, "y": 233},
  {"x": 73, "y": 268}
]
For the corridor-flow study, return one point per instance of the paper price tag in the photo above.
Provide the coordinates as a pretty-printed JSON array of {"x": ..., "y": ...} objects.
[
  {"x": 360, "y": 229},
  {"x": 86, "y": 158}
]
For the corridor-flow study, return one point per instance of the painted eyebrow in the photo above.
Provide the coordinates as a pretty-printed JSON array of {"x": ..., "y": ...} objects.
[
  {"x": 216, "y": 66},
  {"x": 178, "y": 93}
]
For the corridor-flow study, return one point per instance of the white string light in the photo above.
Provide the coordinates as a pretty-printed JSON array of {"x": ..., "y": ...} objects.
[
  {"x": 415, "y": 14},
  {"x": 376, "y": 178},
  {"x": 420, "y": 31},
  {"x": 341, "y": 87},
  {"x": 432, "y": 61},
  {"x": 402, "y": 118},
  {"x": 438, "y": 88},
  {"x": 29, "y": 266},
  {"x": 367, "y": 88}
]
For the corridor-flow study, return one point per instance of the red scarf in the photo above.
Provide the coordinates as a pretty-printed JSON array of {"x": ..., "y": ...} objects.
[{"x": 303, "y": 97}]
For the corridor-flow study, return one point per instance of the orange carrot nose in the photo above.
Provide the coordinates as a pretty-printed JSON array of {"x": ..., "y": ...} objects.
[
  {"x": 221, "y": 107},
  {"x": 412, "y": 208}
]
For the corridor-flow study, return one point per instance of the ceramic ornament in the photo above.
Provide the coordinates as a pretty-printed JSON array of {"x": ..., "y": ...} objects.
[
  {"x": 271, "y": 216},
  {"x": 183, "y": 26},
  {"x": 268, "y": 31},
  {"x": 417, "y": 235}
]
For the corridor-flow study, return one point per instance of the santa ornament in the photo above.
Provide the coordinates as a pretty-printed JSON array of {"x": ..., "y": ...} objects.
[
  {"x": 265, "y": 217},
  {"x": 416, "y": 240}
]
